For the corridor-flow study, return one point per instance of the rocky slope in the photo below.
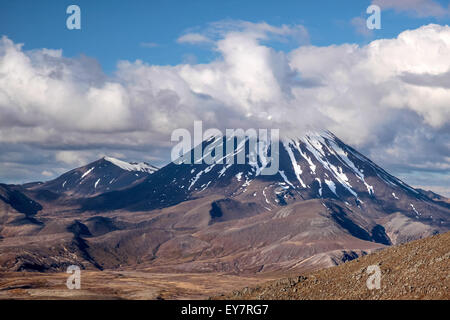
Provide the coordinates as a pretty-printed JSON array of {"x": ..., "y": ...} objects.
[
  {"x": 17, "y": 213},
  {"x": 416, "y": 270}
]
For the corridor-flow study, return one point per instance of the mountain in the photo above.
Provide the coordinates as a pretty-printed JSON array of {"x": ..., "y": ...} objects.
[
  {"x": 417, "y": 270},
  {"x": 434, "y": 196},
  {"x": 326, "y": 204},
  {"x": 103, "y": 175},
  {"x": 17, "y": 212},
  {"x": 14, "y": 200},
  {"x": 316, "y": 166}
]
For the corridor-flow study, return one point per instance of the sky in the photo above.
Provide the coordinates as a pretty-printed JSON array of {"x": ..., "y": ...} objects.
[{"x": 137, "y": 70}]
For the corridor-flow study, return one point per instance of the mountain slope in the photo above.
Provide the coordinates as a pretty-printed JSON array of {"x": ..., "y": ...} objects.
[
  {"x": 326, "y": 204},
  {"x": 416, "y": 270},
  {"x": 106, "y": 174},
  {"x": 315, "y": 166},
  {"x": 17, "y": 212}
]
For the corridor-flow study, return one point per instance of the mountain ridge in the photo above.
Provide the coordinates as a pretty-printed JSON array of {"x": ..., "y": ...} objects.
[
  {"x": 312, "y": 167},
  {"x": 326, "y": 204},
  {"x": 103, "y": 175}
]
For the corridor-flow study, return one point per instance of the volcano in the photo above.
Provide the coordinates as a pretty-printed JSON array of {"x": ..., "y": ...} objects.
[
  {"x": 316, "y": 166},
  {"x": 326, "y": 204}
]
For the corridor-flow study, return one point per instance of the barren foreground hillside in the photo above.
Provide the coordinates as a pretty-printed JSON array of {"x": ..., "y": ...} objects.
[{"x": 416, "y": 270}]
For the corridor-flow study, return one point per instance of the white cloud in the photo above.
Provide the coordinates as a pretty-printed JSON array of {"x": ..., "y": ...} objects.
[
  {"x": 193, "y": 38},
  {"x": 387, "y": 98},
  {"x": 363, "y": 86},
  {"x": 72, "y": 158},
  {"x": 257, "y": 31},
  {"x": 46, "y": 173},
  {"x": 420, "y": 8}
]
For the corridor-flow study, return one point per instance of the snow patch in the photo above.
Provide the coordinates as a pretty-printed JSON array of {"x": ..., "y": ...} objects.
[
  {"x": 297, "y": 169},
  {"x": 331, "y": 185},
  {"x": 414, "y": 209},
  {"x": 87, "y": 172},
  {"x": 285, "y": 178},
  {"x": 320, "y": 186},
  {"x": 141, "y": 166}
]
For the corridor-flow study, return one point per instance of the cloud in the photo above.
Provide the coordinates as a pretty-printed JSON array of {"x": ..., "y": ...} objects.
[
  {"x": 258, "y": 31},
  {"x": 47, "y": 174},
  {"x": 72, "y": 158},
  {"x": 360, "y": 26},
  {"x": 193, "y": 38},
  {"x": 389, "y": 98},
  {"x": 419, "y": 8},
  {"x": 441, "y": 80}
]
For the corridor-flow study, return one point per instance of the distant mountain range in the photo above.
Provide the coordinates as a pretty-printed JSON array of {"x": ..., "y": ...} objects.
[{"x": 326, "y": 204}]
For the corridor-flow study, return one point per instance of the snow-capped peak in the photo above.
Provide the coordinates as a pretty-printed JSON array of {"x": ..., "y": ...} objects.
[{"x": 141, "y": 166}]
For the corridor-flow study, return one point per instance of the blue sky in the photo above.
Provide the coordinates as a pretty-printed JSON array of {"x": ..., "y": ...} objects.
[
  {"x": 136, "y": 71},
  {"x": 113, "y": 30}
]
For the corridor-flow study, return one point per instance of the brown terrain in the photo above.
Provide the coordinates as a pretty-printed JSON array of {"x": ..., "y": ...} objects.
[
  {"x": 198, "y": 230},
  {"x": 416, "y": 270},
  {"x": 134, "y": 285}
]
